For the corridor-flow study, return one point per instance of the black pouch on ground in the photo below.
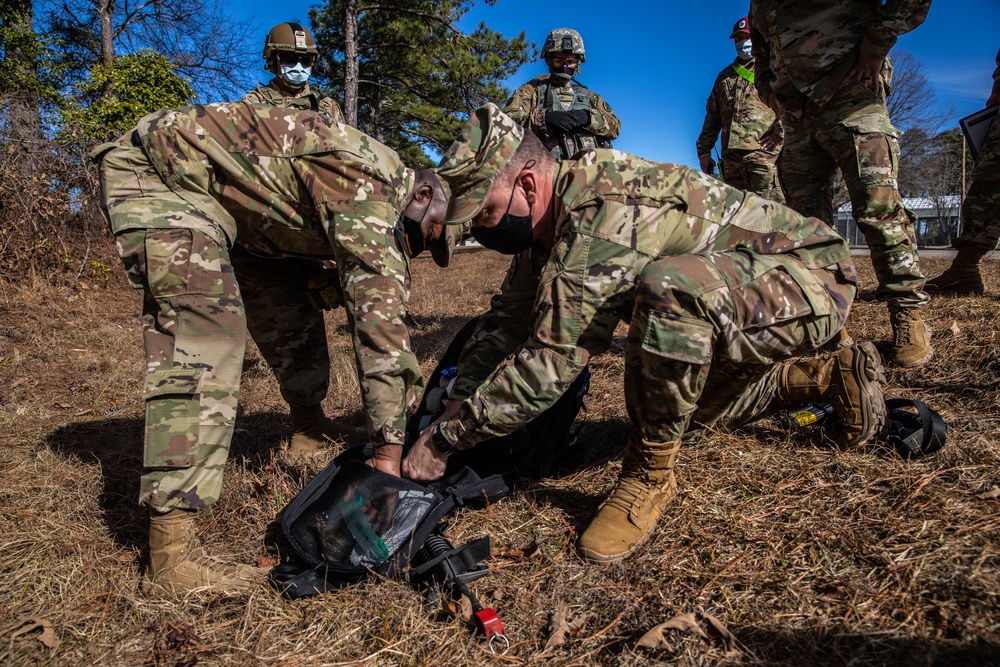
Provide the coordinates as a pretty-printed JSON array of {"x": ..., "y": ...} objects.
[{"x": 352, "y": 520}]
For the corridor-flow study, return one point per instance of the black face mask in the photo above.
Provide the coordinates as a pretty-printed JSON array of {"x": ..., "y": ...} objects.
[
  {"x": 511, "y": 236},
  {"x": 415, "y": 240},
  {"x": 562, "y": 74}
]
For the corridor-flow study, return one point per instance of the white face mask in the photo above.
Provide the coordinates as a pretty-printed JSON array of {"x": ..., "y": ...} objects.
[
  {"x": 296, "y": 74},
  {"x": 744, "y": 50}
]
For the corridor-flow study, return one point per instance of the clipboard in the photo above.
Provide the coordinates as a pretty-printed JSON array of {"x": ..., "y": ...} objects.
[{"x": 976, "y": 126}]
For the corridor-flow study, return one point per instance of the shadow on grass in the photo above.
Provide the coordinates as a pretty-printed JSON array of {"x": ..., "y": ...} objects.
[
  {"x": 116, "y": 445},
  {"x": 830, "y": 647}
]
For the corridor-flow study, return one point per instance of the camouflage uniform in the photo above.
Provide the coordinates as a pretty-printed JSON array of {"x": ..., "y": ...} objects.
[
  {"x": 273, "y": 96},
  {"x": 980, "y": 217},
  {"x": 530, "y": 102},
  {"x": 713, "y": 281},
  {"x": 196, "y": 196},
  {"x": 803, "y": 50},
  {"x": 734, "y": 108},
  {"x": 289, "y": 332}
]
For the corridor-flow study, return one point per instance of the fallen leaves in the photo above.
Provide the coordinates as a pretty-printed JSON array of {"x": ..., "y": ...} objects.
[
  {"x": 523, "y": 552},
  {"x": 562, "y": 625},
  {"x": 698, "y": 623},
  {"x": 28, "y": 624}
]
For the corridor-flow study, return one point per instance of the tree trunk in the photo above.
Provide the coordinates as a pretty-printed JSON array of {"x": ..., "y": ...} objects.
[
  {"x": 105, "y": 10},
  {"x": 25, "y": 107},
  {"x": 351, "y": 63}
]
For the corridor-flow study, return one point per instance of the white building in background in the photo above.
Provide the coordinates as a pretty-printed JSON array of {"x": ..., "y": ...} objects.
[{"x": 931, "y": 212}]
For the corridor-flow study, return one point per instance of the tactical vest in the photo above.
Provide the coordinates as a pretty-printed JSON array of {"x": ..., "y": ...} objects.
[{"x": 566, "y": 146}]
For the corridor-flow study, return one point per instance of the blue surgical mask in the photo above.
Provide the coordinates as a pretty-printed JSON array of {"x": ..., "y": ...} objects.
[
  {"x": 296, "y": 75},
  {"x": 744, "y": 50}
]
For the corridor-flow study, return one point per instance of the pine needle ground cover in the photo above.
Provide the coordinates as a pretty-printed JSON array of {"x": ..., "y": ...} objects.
[{"x": 778, "y": 550}]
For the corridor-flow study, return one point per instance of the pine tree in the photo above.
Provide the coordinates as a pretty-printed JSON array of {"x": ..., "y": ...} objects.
[{"x": 407, "y": 74}]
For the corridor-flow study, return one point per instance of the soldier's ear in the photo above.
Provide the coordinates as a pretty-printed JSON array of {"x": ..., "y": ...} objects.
[
  {"x": 526, "y": 179},
  {"x": 423, "y": 193}
]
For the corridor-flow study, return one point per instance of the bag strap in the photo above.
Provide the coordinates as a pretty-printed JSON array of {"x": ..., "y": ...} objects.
[
  {"x": 933, "y": 428},
  {"x": 458, "y": 563}
]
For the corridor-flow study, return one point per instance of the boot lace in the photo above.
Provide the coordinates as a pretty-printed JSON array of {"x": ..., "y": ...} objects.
[{"x": 904, "y": 329}]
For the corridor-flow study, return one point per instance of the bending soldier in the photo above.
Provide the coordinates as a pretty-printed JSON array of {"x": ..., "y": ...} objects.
[
  {"x": 821, "y": 65},
  {"x": 751, "y": 134},
  {"x": 194, "y": 198},
  {"x": 290, "y": 53},
  {"x": 718, "y": 285},
  {"x": 980, "y": 220},
  {"x": 564, "y": 114}
]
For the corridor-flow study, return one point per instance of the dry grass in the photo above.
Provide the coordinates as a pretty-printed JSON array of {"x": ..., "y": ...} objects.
[{"x": 808, "y": 555}]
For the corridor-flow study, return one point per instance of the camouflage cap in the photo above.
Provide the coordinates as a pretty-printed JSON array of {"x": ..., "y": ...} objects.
[{"x": 487, "y": 140}]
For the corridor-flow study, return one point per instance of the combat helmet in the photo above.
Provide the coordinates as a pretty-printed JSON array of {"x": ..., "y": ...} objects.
[
  {"x": 291, "y": 37},
  {"x": 564, "y": 40}
]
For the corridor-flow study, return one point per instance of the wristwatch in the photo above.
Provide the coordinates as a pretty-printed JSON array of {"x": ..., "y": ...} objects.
[{"x": 440, "y": 443}]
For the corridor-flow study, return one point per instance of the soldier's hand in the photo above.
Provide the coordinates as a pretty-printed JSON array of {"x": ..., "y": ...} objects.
[
  {"x": 770, "y": 141},
  {"x": 707, "y": 163},
  {"x": 386, "y": 458},
  {"x": 424, "y": 463},
  {"x": 867, "y": 70},
  {"x": 564, "y": 122}
]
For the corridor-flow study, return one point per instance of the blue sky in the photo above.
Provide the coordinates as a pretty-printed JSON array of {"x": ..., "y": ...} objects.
[{"x": 654, "y": 62}]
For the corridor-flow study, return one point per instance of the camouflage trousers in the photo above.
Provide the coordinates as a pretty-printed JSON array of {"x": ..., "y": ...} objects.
[
  {"x": 195, "y": 336},
  {"x": 753, "y": 171},
  {"x": 981, "y": 208},
  {"x": 707, "y": 332},
  {"x": 853, "y": 133},
  {"x": 287, "y": 329}
]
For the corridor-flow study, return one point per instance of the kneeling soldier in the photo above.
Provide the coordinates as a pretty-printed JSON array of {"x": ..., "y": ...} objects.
[{"x": 718, "y": 285}]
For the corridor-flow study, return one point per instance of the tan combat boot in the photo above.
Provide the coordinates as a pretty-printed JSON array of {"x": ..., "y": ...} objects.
[
  {"x": 178, "y": 564},
  {"x": 627, "y": 518},
  {"x": 911, "y": 339},
  {"x": 311, "y": 432},
  {"x": 850, "y": 380},
  {"x": 963, "y": 276}
]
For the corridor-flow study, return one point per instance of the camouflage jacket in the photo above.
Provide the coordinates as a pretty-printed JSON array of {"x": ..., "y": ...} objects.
[
  {"x": 614, "y": 213},
  {"x": 526, "y": 109},
  {"x": 273, "y": 96},
  {"x": 283, "y": 182},
  {"x": 735, "y": 108},
  {"x": 806, "y": 47}
]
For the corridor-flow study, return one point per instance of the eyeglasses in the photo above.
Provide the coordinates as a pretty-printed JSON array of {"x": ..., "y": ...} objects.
[
  {"x": 565, "y": 61},
  {"x": 289, "y": 59}
]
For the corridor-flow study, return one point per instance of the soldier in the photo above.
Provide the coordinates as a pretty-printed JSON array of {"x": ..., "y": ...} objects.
[
  {"x": 566, "y": 115},
  {"x": 751, "y": 134},
  {"x": 718, "y": 285},
  {"x": 290, "y": 53},
  {"x": 194, "y": 193},
  {"x": 980, "y": 220},
  {"x": 821, "y": 65}
]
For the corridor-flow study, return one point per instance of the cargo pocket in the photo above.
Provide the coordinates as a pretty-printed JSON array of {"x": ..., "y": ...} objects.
[
  {"x": 680, "y": 339},
  {"x": 173, "y": 415}
]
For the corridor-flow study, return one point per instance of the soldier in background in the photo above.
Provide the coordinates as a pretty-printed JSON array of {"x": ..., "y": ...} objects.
[
  {"x": 194, "y": 193},
  {"x": 566, "y": 115},
  {"x": 751, "y": 134},
  {"x": 820, "y": 65},
  {"x": 718, "y": 284},
  {"x": 290, "y": 53},
  {"x": 980, "y": 214}
]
